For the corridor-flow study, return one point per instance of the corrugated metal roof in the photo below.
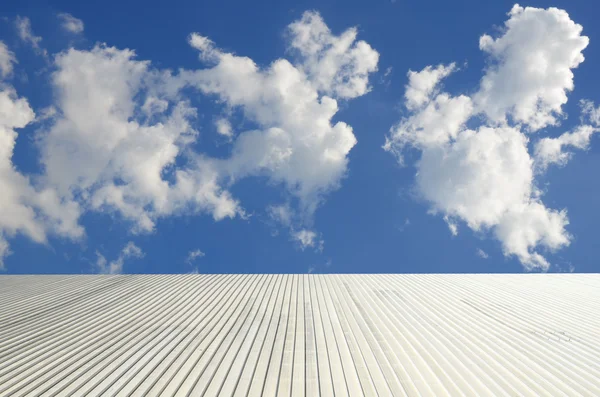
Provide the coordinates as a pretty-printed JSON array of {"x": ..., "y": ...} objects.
[{"x": 300, "y": 335}]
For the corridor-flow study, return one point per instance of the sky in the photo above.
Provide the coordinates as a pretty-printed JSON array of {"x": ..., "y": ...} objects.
[{"x": 299, "y": 137}]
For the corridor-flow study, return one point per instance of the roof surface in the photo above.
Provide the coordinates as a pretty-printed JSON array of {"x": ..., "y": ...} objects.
[{"x": 300, "y": 335}]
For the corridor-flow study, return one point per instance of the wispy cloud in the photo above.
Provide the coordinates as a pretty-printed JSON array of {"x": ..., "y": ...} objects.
[
  {"x": 308, "y": 239},
  {"x": 193, "y": 255},
  {"x": 404, "y": 225},
  {"x": 25, "y": 32},
  {"x": 116, "y": 266},
  {"x": 482, "y": 254},
  {"x": 70, "y": 23},
  {"x": 7, "y": 59}
]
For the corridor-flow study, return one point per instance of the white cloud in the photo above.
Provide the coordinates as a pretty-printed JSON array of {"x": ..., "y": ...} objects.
[
  {"x": 119, "y": 136},
  {"x": 452, "y": 226},
  {"x": 193, "y": 255},
  {"x": 281, "y": 214},
  {"x": 530, "y": 225},
  {"x": 482, "y": 254},
  {"x": 552, "y": 150},
  {"x": 4, "y": 251},
  {"x": 70, "y": 23},
  {"x": 335, "y": 65},
  {"x": 7, "y": 59},
  {"x": 435, "y": 124},
  {"x": 479, "y": 177},
  {"x": 115, "y": 151},
  {"x": 530, "y": 74},
  {"x": 404, "y": 225},
  {"x": 421, "y": 84},
  {"x": 33, "y": 211},
  {"x": 435, "y": 118},
  {"x": 386, "y": 78},
  {"x": 308, "y": 239},
  {"x": 296, "y": 143},
  {"x": 25, "y": 33},
  {"x": 223, "y": 127},
  {"x": 101, "y": 92},
  {"x": 555, "y": 150},
  {"x": 484, "y": 175},
  {"x": 590, "y": 111},
  {"x": 116, "y": 266},
  {"x": 47, "y": 113}
]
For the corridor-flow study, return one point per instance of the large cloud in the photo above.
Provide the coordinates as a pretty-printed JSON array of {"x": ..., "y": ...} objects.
[
  {"x": 296, "y": 142},
  {"x": 484, "y": 175},
  {"x": 117, "y": 137},
  {"x": 31, "y": 210},
  {"x": 530, "y": 72},
  {"x": 123, "y": 135},
  {"x": 122, "y": 125}
]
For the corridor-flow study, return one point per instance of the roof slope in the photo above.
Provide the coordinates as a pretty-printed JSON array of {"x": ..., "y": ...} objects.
[{"x": 300, "y": 335}]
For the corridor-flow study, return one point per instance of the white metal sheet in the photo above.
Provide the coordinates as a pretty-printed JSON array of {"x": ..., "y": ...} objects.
[{"x": 300, "y": 335}]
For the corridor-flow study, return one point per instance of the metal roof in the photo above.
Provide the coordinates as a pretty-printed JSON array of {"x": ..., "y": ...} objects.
[{"x": 300, "y": 335}]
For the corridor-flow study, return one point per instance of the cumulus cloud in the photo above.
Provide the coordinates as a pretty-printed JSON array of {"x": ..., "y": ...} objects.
[
  {"x": 483, "y": 175},
  {"x": 129, "y": 251},
  {"x": 435, "y": 123},
  {"x": 296, "y": 142},
  {"x": 479, "y": 177},
  {"x": 421, "y": 84},
  {"x": 555, "y": 150},
  {"x": 126, "y": 122},
  {"x": 7, "y": 59},
  {"x": 558, "y": 150},
  {"x": 116, "y": 138},
  {"x": 193, "y": 255},
  {"x": 528, "y": 226},
  {"x": 120, "y": 137},
  {"x": 25, "y": 208},
  {"x": 25, "y": 33},
  {"x": 338, "y": 66},
  {"x": 70, "y": 23},
  {"x": 224, "y": 128},
  {"x": 530, "y": 72}
]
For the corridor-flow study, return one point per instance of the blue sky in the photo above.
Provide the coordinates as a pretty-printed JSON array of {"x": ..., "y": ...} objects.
[{"x": 225, "y": 137}]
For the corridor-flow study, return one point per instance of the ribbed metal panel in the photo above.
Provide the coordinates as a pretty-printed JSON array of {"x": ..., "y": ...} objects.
[{"x": 300, "y": 335}]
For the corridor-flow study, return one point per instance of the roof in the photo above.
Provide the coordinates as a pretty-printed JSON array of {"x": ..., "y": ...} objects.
[{"x": 300, "y": 335}]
